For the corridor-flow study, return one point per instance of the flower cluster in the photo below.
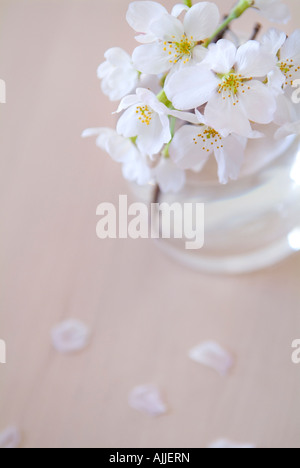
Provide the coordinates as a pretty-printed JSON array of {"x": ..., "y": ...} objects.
[{"x": 189, "y": 92}]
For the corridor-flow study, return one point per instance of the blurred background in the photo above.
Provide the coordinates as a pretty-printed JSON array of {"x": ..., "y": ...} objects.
[{"x": 144, "y": 310}]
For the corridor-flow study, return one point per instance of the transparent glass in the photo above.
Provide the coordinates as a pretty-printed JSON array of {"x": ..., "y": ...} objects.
[{"x": 251, "y": 223}]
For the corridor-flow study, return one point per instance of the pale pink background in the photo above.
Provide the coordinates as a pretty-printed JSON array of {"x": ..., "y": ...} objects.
[{"x": 145, "y": 311}]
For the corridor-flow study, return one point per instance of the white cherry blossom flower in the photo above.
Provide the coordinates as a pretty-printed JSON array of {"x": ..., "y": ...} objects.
[
  {"x": 194, "y": 144},
  {"x": 280, "y": 80},
  {"x": 122, "y": 150},
  {"x": 147, "y": 119},
  {"x": 225, "y": 80},
  {"x": 273, "y": 10},
  {"x": 287, "y": 53},
  {"x": 176, "y": 43},
  {"x": 118, "y": 75}
]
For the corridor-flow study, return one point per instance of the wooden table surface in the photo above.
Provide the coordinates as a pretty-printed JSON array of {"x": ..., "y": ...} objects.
[{"x": 145, "y": 311}]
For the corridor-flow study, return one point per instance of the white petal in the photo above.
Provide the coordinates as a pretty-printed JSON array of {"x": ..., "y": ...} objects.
[
  {"x": 221, "y": 56},
  {"x": 149, "y": 98},
  {"x": 273, "y": 40},
  {"x": 274, "y": 10},
  {"x": 230, "y": 158},
  {"x": 128, "y": 101},
  {"x": 285, "y": 112},
  {"x": 199, "y": 54},
  {"x": 178, "y": 9},
  {"x": 70, "y": 336},
  {"x": 190, "y": 87},
  {"x": 104, "y": 69},
  {"x": 137, "y": 170},
  {"x": 152, "y": 137},
  {"x": 222, "y": 115},
  {"x": 89, "y": 132},
  {"x": 141, "y": 14},
  {"x": 185, "y": 116},
  {"x": 227, "y": 444},
  {"x": 200, "y": 117},
  {"x": 170, "y": 178},
  {"x": 167, "y": 28},
  {"x": 121, "y": 149},
  {"x": 128, "y": 124},
  {"x": 291, "y": 48},
  {"x": 259, "y": 103},
  {"x": 10, "y": 438},
  {"x": 287, "y": 130},
  {"x": 201, "y": 20},
  {"x": 145, "y": 38},
  {"x": 150, "y": 82},
  {"x": 276, "y": 80},
  {"x": 151, "y": 59},
  {"x": 185, "y": 153},
  {"x": 117, "y": 57},
  {"x": 119, "y": 83},
  {"x": 103, "y": 136},
  {"x": 147, "y": 399},
  {"x": 253, "y": 60},
  {"x": 212, "y": 355}
]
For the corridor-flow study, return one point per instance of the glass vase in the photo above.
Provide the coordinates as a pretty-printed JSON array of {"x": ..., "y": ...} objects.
[{"x": 251, "y": 223}]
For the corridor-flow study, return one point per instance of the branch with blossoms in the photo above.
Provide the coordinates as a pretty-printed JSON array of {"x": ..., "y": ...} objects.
[{"x": 189, "y": 91}]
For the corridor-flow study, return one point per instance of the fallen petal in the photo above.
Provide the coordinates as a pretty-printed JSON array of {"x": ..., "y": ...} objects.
[
  {"x": 211, "y": 354},
  {"x": 70, "y": 336},
  {"x": 147, "y": 399},
  {"x": 227, "y": 444},
  {"x": 10, "y": 438}
]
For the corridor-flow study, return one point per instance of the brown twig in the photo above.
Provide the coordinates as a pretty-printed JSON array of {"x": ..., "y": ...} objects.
[
  {"x": 156, "y": 194},
  {"x": 256, "y": 31}
]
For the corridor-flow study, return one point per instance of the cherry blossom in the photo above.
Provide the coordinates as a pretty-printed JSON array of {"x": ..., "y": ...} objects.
[
  {"x": 229, "y": 80},
  {"x": 118, "y": 75},
  {"x": 187, "y": 96},
  {"x": 286, "y": 52},
  {"x": 193, "y": 145},
  {"x": 146, "y": 118},
  {"x": 176, "y": 43}
]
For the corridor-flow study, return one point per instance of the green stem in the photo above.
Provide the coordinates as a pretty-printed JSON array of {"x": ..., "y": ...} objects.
[
  {"x": 237, "y": 11},
  {"x": 164, "y": 100},
  {"x": 172, "y": 128},
  {"x": 188, "y": 3},
  {"x": 219, "y": 30}
]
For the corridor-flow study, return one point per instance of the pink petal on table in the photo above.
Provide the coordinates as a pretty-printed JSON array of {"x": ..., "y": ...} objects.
[
  {"x": 211, "y": 354},
  {"x": 147, "y": 399},
  {"x": 70, "y": 336},
  {"x": 10, "y": 438},
  {"x": 227, "y": 444}
]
